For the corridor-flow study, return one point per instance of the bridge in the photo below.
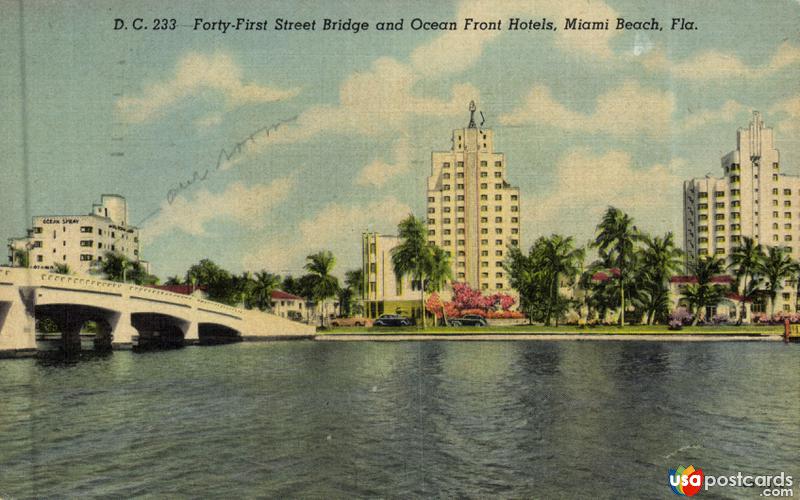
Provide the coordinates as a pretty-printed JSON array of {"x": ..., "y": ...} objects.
[{"x": 125, "y": 315}]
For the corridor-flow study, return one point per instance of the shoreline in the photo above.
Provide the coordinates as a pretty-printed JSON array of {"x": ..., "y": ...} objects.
[{"x": 600, "y": 337}]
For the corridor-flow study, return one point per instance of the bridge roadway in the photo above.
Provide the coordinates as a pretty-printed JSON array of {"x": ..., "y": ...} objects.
[{"x": 125, "y": 314}]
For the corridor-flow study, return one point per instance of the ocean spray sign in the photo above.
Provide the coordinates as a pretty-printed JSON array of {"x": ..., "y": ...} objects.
[{"x": 62, "y": 220}]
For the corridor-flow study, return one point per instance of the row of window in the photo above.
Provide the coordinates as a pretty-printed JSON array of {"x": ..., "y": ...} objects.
[
  {"x": 460, "y": 175},
  {"x": 484, "y": 242},
  {"x": 446, "y": 187},
  {"x": 484, "y": 163}
]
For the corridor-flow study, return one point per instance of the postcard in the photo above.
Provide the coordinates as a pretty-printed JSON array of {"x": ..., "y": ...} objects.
[{"x": 395, "y": 249}]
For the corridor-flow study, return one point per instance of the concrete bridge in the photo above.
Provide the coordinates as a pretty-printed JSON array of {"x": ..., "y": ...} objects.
[{"x": 126, "y": 315}]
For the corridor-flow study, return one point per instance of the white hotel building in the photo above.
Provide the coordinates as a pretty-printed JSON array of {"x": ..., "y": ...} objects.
[
  {"x": 79, "y": 241},
  {"x": 473, "y": 211},
  {"x": 753, "y": 199}
]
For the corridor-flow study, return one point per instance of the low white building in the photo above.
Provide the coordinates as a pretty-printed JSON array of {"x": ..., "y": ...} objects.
[
  {"x": 289, "y": 306},
  {"x": 79, "y": 241}
]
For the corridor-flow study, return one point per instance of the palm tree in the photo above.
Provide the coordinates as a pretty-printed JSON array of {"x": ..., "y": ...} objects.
[
  {"x": 616, "y": 236},
  {"x": 261, "y": 291},
  {"x": 173, "y": 280},
  {"x": 62, "y": 269},
  {"x": 21, "y": 258},
  {"x": 746, "y": 260},
  {"x": 776, "y": 266},
  {"x": 440, "y": 273},
  {"x": 412, "y": 256},
  {"x": 661, "y": 260},
  {"x": 558, "y": 258},
  {"x": 324, "y": 284},
  {"x": 703, "y": 293},
  {"x": 354, "y": 280},
  {"x": 115, "y": 267}
]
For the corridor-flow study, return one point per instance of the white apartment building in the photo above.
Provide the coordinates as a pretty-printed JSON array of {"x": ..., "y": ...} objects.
[
  {"x": 79, "y": 241},
  {"x": 753, "y": 199},
  {"x": 473, "y": 211},
  {"x": 383, "y": 293}
]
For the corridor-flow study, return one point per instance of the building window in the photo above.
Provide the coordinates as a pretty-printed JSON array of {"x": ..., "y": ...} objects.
[
  {"x": 514, "y": 230},
  {"x": 484, "y": 186},
  {"x": 484, "y": 253},
  {"x": 720, "y": 227},
  {"x": 498, "y": 164},
  {"x": 460, "y": 164},
  {"x": 37, "y": 244},
  {"x": 498, "y": 208},
  {"x": 87, "y": 243},
  {"x": 461, "y": 243},
  {"x": 787, "y": 203},
  {"x": 85, "y": 257},
  {"x": 484, "y": 263},
  {"x": 514, "y": 197},
  {"x": 431, "y": 221},
  {"x": 498, "y": 242},
  {"x": 447, "y": 243},
  {"x": 498, "y": 253},
  {"x": 446, "y": 220},
  {"x": 485, "y": 286},
  {"x": 39, "y": 258},
  {"x": 719, "y": 251},
  {"x": 460, "y": 230},
  {"x": 446, "y": 198},
  {"x": 484, "y": 231},
  {"x": 446, "y": 187},
  {"x": 484, "y": 174},
  {"x": 515, "y": 220},
  {"x": 787, "y": 192},
  {"x": 498, "y": 186},
  {"x": 484, "y": 242},
  {"x": 483, "y": 163},
  {"x": 498, "y": 175},
  {"x": 498, "y": 197},
  {"x": 84, "y": 229},
  {"x": 460, "y": 186},
  {"x": 431, "y": 232},
  {"x": 460, "y": 208},
  {"x": 460, "y": 220},
  {"x": 719, "y": 194},
  {"x": 446, "y": 164},
  {"x": 484, "y": 220},
  {"x": 719, "y": 205},
  {"x": 515, "y": 208},
  {"x": 702, "y": 206},
  {"x": 498, "y": 275},
  {"x": 498, "y": 230},
  {"x": 702, "y": 194},
  {"x": 431, "y": 199},
  {"x": 515, "y": 243},
  {"x": 787, "y": 237},
  {"x": 484, "y": 208},
  {"x": 498, "y": 220},
  {"x": 431, "y": 210},
  {"x": 787, "y": 215},
  {"x": 460, "y": 175}
]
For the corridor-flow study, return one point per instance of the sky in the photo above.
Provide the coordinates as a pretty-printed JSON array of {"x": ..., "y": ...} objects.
[{"x": 328, "y": 134}]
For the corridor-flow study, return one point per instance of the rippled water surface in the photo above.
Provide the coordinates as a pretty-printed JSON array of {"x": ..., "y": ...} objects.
[{"x": 435, "y": 419}]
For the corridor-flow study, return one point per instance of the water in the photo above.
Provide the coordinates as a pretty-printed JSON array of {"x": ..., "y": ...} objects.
[{"x": 435, "y": 419}]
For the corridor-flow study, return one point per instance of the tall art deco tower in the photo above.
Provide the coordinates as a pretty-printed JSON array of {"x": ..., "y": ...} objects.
[{"x": 473, "y": 211}]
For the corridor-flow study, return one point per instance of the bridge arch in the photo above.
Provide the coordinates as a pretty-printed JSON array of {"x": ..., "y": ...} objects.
[
  {"x": 159, "y": 331},
  {"x": 216, "y": 333},
  {"x": 70, "y": 320}
]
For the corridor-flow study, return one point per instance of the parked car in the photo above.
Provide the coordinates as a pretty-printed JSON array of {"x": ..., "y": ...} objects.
[
  {"x": 354, "y": 321},
  {"x": 469, "y": 320},
  {"x": 393, "y": 320}
]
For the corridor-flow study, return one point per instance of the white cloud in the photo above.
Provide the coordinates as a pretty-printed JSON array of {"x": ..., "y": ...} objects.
[
  {"x": 193, "y": 74},
  {"x": 588, "y": 183},
  {"x": 337, "y": 227},
  {"x": 373, "y": 102},
  {"x": 378, "y": 172},
  {"x": 790, "y": 126},
  {"x": 246, "y": 205},
  {"x": 627, "y": 110},
  {"x": 455, "y": 51},
  {"x": 713, "y": 65},
  {"x": 725, "y": 114}
]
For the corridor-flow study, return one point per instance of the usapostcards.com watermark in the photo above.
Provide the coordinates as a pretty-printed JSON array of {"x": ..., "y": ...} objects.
[{"x": 688, "y": 481}]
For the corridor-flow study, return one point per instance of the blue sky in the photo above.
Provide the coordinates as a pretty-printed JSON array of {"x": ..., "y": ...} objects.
[{"x": 585, "y": 119}]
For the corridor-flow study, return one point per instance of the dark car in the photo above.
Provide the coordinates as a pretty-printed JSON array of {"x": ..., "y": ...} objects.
[
  {"x": 392, "y": 320},
  {"x": 469, "y": 320}
]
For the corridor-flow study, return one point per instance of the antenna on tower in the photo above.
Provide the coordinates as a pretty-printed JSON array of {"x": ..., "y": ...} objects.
[{"x": 471, "y": 114}]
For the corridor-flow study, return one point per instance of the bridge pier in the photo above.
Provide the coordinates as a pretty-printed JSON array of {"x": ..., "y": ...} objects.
[
  {"x": 123, "y": 334},
  {"x": 191, "y": 333},
  {"x": 17, "y": 329}
]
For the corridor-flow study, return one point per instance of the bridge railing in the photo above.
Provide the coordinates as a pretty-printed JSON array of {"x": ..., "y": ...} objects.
[{"x": 31, "y": 277}]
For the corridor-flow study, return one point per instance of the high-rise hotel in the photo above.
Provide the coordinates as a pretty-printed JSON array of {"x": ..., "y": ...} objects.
[
  {"x": 752, "y": 199},
  {"x": 473, "y": 211}
]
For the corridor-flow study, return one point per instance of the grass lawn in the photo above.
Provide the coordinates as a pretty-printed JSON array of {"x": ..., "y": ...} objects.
[{"x": 533, "y": 329}]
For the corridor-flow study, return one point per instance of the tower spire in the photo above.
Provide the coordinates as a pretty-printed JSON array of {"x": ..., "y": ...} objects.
[{"x": 471, "y": 114}]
